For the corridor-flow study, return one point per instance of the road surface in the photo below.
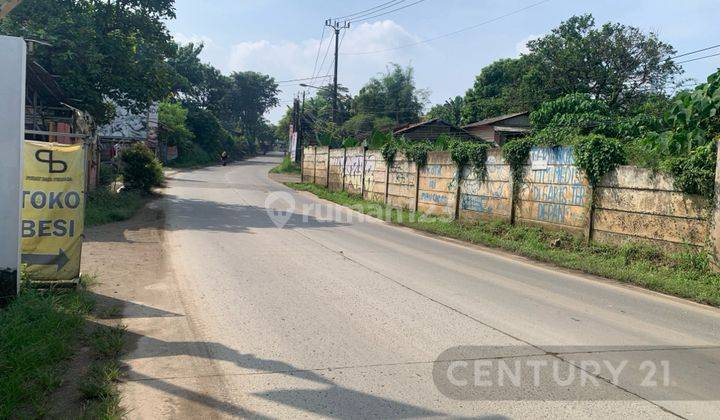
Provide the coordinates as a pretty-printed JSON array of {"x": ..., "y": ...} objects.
[{"x": 340, "y": 316}]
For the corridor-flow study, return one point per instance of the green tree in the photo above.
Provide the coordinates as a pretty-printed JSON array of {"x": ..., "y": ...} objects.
[
  {"x": 101, "y": 49},
  {"x": 616, "y": 63},
  {"x": 450, "y": 111},
  {"x": 495, "y": 90},
  {"x": 197, "y": 83},
  {"x": 392, "y": 95},
  {"x": 249, "y": 96},
  {"x": 173, "y": 128}
]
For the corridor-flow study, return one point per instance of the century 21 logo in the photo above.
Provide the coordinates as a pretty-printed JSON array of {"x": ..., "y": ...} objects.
[{"x": 54, "y": 166}]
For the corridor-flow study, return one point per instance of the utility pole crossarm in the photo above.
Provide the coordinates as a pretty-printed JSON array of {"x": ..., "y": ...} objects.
[{"x": 7, "y": 5}]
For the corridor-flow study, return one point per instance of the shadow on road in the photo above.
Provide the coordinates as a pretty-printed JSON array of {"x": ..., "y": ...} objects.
[
  {"x": 332, "y": 400},
  {"x": 194, "y": 214}
]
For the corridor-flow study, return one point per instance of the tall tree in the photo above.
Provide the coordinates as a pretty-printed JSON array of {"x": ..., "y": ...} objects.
[
  {"x": 392, "y": 95},
  {"x": 101, "y": 49},
  {"x": 495, "y": 90},
  {"x": 195, "y": 82},
  {"x": 615, "y": 63},
  {"x": 249, "y": 96}
]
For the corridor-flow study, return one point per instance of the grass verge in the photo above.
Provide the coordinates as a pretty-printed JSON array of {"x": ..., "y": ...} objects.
[
  {"x": 104, "y": 206},
  {"x": 286, "y": 167},
  {"x": 99, "y": 386},
  {"x": 38, "y": 333},
  {"x": 685, "y": 274}
]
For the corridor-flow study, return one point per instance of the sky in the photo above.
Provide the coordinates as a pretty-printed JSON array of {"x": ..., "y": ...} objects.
[{"x": 282, "y": 38}]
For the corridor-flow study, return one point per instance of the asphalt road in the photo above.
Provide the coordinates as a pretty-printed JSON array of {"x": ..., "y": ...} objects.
[{"x": 330, "y": 314}]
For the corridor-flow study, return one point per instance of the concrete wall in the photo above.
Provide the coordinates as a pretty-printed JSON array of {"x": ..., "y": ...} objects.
[
  {"x": 438, "y": 185},
  {"x": 321, "y": 165},
  {"x": 554, "y": 193},
  {"x": 402, "y": 181},
  {"x": 489, "y": 198},
  {"x": 375, "y": 172},
  {"x": 636, "y": 204},
  {"x": 354, "y": 165},
  {"x": 308, "y": 164},
  {"x": 336, "y": 169},
  {"x": 630, "y": 204}
]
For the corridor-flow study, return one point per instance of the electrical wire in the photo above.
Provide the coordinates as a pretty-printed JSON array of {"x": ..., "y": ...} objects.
[
  {"x": 696, "y": 51},
  {"x": 317, "y": 56},
  {"x": 467, "y": 28},
  {"x": 698, "y": 58},
  {"x": 364, "y": 12},
  {"x": 297, "y": 80},
  {"x": 388, "y": 12}
]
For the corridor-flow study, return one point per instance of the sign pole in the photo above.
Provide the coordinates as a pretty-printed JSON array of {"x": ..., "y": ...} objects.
[{"x": 12, "y": 131}]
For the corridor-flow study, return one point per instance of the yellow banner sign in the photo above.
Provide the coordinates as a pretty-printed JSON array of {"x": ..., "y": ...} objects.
[{"x": 53, "y": 210}]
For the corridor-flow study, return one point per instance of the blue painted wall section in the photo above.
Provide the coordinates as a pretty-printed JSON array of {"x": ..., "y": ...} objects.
[{"x": 554, "y": 189}]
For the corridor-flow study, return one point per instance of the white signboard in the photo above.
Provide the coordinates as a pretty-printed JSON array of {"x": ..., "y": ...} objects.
[
  {"x": 12, "y": 131},
  {"x": 293, "y": 143}
]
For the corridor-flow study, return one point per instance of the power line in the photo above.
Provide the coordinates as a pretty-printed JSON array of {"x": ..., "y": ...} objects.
[
  {"x": 385, "y": 13},
  {"x": 698, "y": 58},
  {"x": 297, "y": 80},
  {"x": 317, "y": 56},
  {"x": 371, "y": 10},
  {"x": 423, "y": 41},
  {"x": 696, "y": 51}
]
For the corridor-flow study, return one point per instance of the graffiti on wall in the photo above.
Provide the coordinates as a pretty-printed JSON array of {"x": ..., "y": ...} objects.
[
  {"x": 554, "y": 189},
  {"x": 353, "y": 172},
  {"x": 130, "y": 126}
]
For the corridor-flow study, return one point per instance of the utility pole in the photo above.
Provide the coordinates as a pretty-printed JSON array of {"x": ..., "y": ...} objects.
[
  {"x": 336, "y": 27},
  {"x": 296, "y": 130}
]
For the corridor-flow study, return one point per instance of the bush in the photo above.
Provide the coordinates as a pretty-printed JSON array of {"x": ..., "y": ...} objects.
[
  {"x": 107, "y": 174},
  {"x": 695, "y": 173},
  {"x": 141, "y": 169}
]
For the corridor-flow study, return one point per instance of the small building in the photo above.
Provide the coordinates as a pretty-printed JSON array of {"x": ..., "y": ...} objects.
[
  {"x": 501, "y": 128},
  {"x": 431, "y": 130}
]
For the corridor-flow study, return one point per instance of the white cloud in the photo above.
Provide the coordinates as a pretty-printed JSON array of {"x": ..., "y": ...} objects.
[
  {"x": 287, "y": 60},
  {"x": 521, "y": 46}
]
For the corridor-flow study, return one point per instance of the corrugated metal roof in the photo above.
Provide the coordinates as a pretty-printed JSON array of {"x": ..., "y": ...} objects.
[
  {"x": 434, "y": 121},
  {"x": 492, "y": 120}
]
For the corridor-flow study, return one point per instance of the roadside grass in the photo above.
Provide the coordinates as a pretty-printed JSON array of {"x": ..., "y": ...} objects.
[
  {"x": 99, "y": 386},
  {"x": 105, "y": 206},
  {"x": 685, "y": 274},
  {"x": 286, "y": 167},
  {"x": 39, "y": 332}
]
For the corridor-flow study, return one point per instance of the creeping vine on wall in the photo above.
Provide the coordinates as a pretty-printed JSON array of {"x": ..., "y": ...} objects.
[
  {"x": 470, "y": 153},
  {"x": 597, "y": 155},
  {"x": 516, "y": 153}
]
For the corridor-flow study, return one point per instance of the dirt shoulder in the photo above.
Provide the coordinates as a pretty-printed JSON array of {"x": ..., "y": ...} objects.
[{"x": 138, "y": 288}]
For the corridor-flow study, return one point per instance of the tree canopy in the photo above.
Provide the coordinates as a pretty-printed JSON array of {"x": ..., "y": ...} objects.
[
  {"x": 615, "y": 63},
  {"x": 101, "y": 50},
  {"x": 392, "y": 95}
]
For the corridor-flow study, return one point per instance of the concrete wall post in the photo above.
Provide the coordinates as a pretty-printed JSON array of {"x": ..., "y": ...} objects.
[
  {"x": 342, "y": 187},
  {"x": 715, "y": 228},
  {"x": 457, "y": 192},
  {"x": 362, "y": 176}
]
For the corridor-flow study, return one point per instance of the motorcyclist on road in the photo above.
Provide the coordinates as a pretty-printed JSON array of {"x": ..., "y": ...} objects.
[{"x": 224, "y": 157}]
